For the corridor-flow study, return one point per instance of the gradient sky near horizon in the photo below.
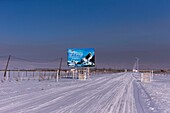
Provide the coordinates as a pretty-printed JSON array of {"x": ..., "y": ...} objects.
[{"x": 119, "y": 30}]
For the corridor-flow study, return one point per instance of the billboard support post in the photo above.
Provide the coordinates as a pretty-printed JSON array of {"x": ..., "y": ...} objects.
[
  {"x": 72, "y": 72},
  {"x": 88, "y": 72},
  {"x": 76, "y": 72},
  {"x": 57, "y": 76}
]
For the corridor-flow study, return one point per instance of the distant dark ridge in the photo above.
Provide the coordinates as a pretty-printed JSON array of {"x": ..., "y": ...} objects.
[
  {"x": 162, "y": 71},
  {"x": 91, "y": 69}
]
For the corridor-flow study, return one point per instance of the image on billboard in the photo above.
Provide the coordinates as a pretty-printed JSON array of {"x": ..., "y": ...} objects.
[{"x": 81, "y": 57}]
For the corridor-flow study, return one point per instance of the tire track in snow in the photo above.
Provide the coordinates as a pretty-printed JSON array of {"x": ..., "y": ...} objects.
[
  {"x": 116, "y": 102},
  {"x": 84, "y": 103},
  {"x": 70, "y": 97},
  {"x": 83, "y": 106},
  {"x": 106, "y": 94},
  {"x": 30, "y": 95},
  {"x": 47, "y": 95}
]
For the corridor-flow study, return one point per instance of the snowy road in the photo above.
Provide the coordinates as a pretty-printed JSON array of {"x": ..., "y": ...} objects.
[{"x": 102, "y": 94}]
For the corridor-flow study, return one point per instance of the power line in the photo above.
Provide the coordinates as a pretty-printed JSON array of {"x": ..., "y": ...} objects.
[{"x": 35, "y": 61}]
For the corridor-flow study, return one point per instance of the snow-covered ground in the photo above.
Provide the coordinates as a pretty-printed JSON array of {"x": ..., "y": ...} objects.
[
  {"x": 159, "y": 91},
  {"x": 109, "y": 93}
]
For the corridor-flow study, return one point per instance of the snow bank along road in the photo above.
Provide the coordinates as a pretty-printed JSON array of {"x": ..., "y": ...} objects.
[{"x": 101, "y": 94}]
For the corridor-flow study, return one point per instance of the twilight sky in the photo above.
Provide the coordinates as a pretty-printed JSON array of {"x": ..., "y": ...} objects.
[{"x": 119, "y": 30}]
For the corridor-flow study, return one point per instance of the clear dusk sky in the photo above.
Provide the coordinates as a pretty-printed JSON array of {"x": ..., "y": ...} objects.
[{"x": 119, "y": 30}]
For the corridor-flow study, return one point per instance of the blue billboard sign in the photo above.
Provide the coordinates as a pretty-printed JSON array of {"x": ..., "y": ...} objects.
[{"x": 84, "y": 57}]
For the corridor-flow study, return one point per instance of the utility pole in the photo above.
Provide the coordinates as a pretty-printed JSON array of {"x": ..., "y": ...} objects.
[
  {"x": 137, "y": 63},
  {"x": 60, "y": 67},
  {"x": 7, "y": 66}
]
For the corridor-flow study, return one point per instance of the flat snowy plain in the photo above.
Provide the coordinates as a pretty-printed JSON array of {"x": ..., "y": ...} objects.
[{"x": 107, "y": 93}]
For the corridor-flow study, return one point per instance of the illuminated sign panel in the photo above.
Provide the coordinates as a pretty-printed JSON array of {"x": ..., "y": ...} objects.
[{"x": 81, "y": 57}]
